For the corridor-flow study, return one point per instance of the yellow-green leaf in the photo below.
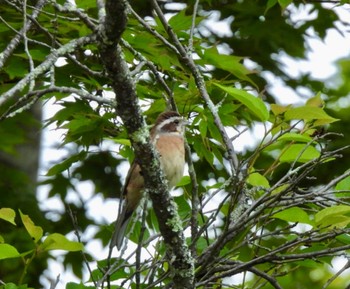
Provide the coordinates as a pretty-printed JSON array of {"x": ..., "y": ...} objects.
[
  {"x": 295, "y": 215},
  {"x": 230, "y": 63},
  {"x": 309, "y": 113},
  {"x": 57, "y": 241},
  {"x": 35, "y": 232},
  {"x": 343, "y": 185},
  {"x": 278, "y": 109},
  {"x": 284, "y": 3},
  {"x": 253, "y": 104},
  {"x": 185, "y": 180},
  {"x": 299, "y": 153},
  {"x": 8, "y": 215},
  {"x": 315, "y": 101},
  {"x": 123, "y": 141},
  {"x": 257, "y": 179},
  {"x": 290, "y": 136},
  {"x": 336, "y": 216},
  {"x": 8, "y": 251}
]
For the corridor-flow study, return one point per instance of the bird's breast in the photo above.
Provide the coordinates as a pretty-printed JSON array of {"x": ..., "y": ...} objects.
[{"x": 172, "y": 157}]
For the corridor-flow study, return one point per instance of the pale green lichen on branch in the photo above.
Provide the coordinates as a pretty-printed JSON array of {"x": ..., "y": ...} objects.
[
  {"x": 174, "y": 222},
  {"x": 141, "y": 135}
]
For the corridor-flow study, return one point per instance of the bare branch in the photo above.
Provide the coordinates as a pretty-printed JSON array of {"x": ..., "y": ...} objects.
[
  {"x": 153, "y": 31},
  {"x": 336, "y": 275},
  {"x": 76, "y": 231},
  {"x": 195, "y": 11},
  {"x": 33, "y": 96},
  {"x": 55, "y": 283},
  {"x": 16, "y": 40},
  {"x": 267, "y": 277},
  {"x": 45, "y": 66}
]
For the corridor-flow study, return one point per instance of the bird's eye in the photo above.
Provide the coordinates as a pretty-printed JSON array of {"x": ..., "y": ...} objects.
[{"x": 176, "y": 121}]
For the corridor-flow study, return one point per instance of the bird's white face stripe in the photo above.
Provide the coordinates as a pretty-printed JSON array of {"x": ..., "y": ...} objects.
[{"x": 170, "y": 120}]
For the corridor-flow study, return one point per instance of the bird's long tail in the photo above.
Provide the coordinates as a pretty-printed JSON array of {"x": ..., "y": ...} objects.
[{"x": 120, "y": 228}]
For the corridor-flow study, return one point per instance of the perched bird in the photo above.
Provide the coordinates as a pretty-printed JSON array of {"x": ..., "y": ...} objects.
[{"x": 167, "y": 135}]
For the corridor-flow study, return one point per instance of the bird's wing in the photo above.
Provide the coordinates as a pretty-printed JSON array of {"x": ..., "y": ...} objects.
[{"x": 132, "y": 194}]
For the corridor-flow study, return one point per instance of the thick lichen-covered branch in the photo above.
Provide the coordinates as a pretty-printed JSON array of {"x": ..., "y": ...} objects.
[{"x": 111, "y": 27}]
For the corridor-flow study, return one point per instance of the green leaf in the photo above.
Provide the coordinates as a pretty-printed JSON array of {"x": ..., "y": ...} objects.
[
  {"x": 185, "y": 180},
  {"x": 284, "y": 3},
  {"x": 72, "y": 109},
  {"x": 270, "y": 4},
  {"x": 14, "y": 286},
  {"x": 295, "y": 215},
  {"x": 66, "y": 164},
  {"x": 315, "y": 101},
  {"x": 17, "y": 67},
  {"x": 57, "y": 241},
  {"x": 253, "y": 104},
  {"x": 7, "y": 251},
  {"x": 343, "y": 185},
  {"x": 296, "y": 137},
  {"x": 122, "y": 141},
  {"x": 181, "y": 21},
  {"x": 344, "y": 238},
  {"x": 86, "y": 4},
  {"x": 336, "y": 216},
  {"x": 228, "y": 63},
  {"x": 278, "y": 109},
  {"x": 8, "y": 215},
  {"x": 203, "y": 127},
  {"x": 36, "y": 54},
  {"x": 257, "y": 179},
  {"x": 299, "y": 153},
  {"x": 35, "y": 232},
  {"x": 309, "y": 113}
]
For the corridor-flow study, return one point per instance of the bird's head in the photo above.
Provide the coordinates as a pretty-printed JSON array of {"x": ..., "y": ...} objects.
[{"x": 169, "y": 122}]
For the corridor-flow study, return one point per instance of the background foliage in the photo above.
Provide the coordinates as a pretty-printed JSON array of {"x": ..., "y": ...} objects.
[{"x": 278, "y": 213}]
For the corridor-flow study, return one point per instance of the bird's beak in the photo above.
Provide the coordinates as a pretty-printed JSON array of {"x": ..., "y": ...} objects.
[{"x": 181, "y": 127}]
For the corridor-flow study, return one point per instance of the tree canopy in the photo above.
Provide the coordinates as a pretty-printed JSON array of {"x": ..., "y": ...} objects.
[{"x": 273, "y": 216}]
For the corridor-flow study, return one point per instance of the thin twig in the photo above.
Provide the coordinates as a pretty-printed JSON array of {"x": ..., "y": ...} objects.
[
  {"x": 45, "y": 66},
  {"x": 76, "y": 230},
  {"x": 190, "y": 41},
  {"x": 266, "y": 276},
  {"x": 55, "y": 283},
  {"x": 153, "y": 31},
  {"x": 189, "y": 62},
  {"x": 16, "y": 40},
  {"x": 336, "y": 275},
  {"x": 27, "y": 100}
]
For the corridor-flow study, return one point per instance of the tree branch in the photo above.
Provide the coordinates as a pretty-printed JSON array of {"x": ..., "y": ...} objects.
[
  {"x": 45, "y": 66},
  {"x": 16, "y": 40},
  {"x": 128, "y": 109},
  {"x": 187, "y": 60}
]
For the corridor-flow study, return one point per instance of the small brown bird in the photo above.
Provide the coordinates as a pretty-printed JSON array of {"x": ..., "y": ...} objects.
[{"x": 167, "y": 135}]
